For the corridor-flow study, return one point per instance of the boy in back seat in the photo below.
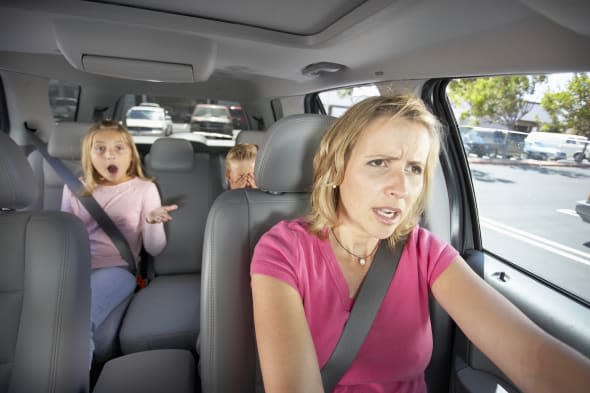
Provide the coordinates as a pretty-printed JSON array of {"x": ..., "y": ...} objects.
[{"x": 239, "y": 166}]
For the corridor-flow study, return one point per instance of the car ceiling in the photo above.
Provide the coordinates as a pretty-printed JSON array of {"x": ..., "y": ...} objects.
[{"x": 273, "y": 40}]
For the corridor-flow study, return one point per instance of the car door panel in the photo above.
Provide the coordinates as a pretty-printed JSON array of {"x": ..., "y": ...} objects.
[{"x": 552, "y": 310}]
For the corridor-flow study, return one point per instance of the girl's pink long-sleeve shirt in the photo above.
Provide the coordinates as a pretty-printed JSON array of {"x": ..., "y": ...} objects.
[{"x": 127, "y": 204}]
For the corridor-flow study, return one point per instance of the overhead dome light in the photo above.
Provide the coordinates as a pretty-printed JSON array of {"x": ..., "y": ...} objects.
[{"x": 324, "y": 67}]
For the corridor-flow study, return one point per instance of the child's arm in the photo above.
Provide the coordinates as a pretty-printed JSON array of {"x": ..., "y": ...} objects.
[
  {"x": 67, "y": 201},
  {"x": 153, "y": 216}
]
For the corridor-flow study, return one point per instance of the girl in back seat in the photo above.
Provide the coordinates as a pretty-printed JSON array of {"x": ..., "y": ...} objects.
[{"x": 113, "y": 176}]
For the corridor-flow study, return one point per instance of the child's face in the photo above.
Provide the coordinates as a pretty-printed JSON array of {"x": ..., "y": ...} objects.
[
  {"x": 111, "y": 156},
  {"x": 240, "y": 174}
]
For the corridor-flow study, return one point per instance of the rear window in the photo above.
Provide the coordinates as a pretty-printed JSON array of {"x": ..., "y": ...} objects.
[{"x": 178, "y": 114}]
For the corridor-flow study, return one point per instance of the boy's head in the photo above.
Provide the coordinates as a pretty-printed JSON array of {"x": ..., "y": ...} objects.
[{"x": 239, "y": 166}]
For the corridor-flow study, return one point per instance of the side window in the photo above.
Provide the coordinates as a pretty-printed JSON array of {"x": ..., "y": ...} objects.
[
  {"x": 336, "y": 102},
  {"x": 64, "y": 99},
  {"x": 529, "y": 184}
]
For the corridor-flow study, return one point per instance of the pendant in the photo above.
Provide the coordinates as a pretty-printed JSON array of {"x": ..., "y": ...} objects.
[{"x": 362, "y": 261}]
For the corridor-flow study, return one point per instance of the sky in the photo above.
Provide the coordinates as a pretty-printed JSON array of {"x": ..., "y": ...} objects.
[{"x": 556, "y": 82}]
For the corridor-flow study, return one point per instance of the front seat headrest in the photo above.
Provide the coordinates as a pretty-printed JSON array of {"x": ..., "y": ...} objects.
[
  {"x": 285, "y": 161},
  {"x": 169, "y": 154},
  {"x": 66, "y": 140}
]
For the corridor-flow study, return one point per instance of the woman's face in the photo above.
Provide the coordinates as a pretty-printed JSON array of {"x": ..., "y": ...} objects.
[
  {"x": 383, "y": 177},
  {"x": 111, "y": 156}
]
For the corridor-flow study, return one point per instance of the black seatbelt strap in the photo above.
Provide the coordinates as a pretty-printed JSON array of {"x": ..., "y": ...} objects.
[
  {"x": 93, "y": 208},
  {"x": 364, "y": 310}
]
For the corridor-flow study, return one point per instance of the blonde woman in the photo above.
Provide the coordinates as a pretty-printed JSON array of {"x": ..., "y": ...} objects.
[{"x": 372, "y": 174}]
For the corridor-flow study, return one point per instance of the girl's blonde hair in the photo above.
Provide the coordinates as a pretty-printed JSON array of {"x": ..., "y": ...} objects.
[
  {"x": 91, "y": 176},
  {"x": 336, "y": 146}
]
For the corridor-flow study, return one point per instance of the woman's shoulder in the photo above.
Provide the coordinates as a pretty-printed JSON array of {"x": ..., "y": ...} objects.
[
  {"x": 421, "y": 236},
  {"x": 289, "y": 228},
  {"x": 289, "y": 233}
]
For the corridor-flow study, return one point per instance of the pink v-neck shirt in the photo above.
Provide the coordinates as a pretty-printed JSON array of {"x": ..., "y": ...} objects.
[
  {"x": 398, "y": 346},
  {"x": 127, "y": 204}
]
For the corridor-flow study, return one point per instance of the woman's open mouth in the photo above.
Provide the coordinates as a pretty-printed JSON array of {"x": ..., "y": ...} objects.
[{"x": 387, "y": 216}]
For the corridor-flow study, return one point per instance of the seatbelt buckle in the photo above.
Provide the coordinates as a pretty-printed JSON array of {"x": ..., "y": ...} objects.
[{"x": 140, "y": 281}]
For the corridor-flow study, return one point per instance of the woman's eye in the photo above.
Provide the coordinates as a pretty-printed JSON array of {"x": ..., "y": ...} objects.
[
  {"x": 415, "y": 169},
  {"x": 377, "y": 163}
]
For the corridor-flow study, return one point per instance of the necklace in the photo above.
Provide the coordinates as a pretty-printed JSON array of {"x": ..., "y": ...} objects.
[{"x": 362, "y": 259}]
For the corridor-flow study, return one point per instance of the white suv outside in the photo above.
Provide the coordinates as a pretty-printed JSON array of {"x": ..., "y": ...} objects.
[{"x": 148, "y": 119}]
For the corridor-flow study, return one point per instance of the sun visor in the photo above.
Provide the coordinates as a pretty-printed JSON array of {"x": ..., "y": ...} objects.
[
  {"x": 138, "y": 69},
  {"x": 135, "y": 53}
]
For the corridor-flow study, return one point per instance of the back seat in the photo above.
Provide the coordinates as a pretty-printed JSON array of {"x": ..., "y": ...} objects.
[{"x": 165, "y": 314}]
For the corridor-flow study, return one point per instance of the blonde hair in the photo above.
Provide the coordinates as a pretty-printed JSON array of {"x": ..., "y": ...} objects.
[
  {"x": 336, "y": 146},
  {"x": 241, "y": 152},
  {"x": 91, "y": 176}
]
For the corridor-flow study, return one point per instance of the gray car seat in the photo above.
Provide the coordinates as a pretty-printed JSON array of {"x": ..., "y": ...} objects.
[
  {"x": 44, "y": 288},
  {"x": 65, "y": 144},
  {"x": 236, "y": 221},
  {"x": 165, "y": 314}
]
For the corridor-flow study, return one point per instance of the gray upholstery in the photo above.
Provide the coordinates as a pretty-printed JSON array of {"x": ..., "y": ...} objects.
[
  {"x": 239, "y": 217},
  {"x": 164, "y": 370},
  {"x": 17, "y": 183},
  {"x": 251, "y": 136},
  {"x": 65, "y": 144},
  {"x": 44, "y": 289},
  {"x": 166, "y": 313},
  {"x": 288, "y": 165}
]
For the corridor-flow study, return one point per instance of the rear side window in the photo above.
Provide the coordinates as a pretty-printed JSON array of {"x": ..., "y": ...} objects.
[
  {"x": 64, "y": 99},
  {"x": 531, "y": 188}
]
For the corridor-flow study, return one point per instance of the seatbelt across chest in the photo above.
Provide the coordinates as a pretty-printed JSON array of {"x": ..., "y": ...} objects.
[{"x": 362, "y": 315}]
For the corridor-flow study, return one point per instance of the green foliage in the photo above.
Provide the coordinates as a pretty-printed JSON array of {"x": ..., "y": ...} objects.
[
  {"x": 344, "y": 92},
  {"x": 500, "y": 99},
  {"x": 570, "y": 109}
]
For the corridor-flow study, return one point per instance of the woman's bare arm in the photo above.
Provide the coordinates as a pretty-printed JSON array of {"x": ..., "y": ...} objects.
[
  {"x": 531, "y": 358},
  {"x": 287, "y": 355}
]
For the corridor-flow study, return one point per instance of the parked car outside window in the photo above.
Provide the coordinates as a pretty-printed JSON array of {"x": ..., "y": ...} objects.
[
  {"x": 148, "y": 119},
  {"x": 542, "y": 151},
  {"x": 212, "y": 118}
]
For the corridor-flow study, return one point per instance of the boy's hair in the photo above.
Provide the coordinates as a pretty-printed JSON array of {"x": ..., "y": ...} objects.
[
  {"x": 336, "y": 146},
  {"x": 91, "y": 176},
  {"x": 241, "y": 152}
]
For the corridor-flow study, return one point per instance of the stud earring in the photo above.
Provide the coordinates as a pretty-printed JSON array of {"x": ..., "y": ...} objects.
[{"x": 334, "y": 186}]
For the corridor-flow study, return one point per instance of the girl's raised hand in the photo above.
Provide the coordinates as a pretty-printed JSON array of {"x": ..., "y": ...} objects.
[{"x": 160, "y": 214}]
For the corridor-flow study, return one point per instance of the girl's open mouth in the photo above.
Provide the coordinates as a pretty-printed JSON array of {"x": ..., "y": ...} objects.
[{"x": 112, "y": 169}]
